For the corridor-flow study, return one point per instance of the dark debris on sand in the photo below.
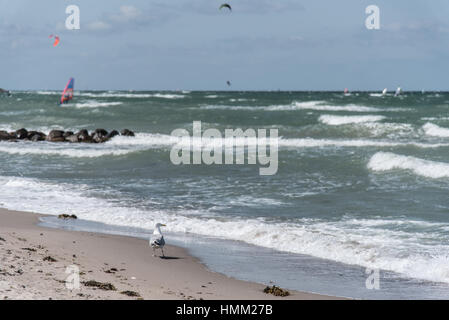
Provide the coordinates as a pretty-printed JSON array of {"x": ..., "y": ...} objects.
[
  {"x": 100, "y": 285},
  {"x": 50, "y": 259},
  {"x": 276, "y": 291},
  {"x": 67, "y": 216},
  {"x": 112, "y": 270},
  {"x": 131, "y": 293}
]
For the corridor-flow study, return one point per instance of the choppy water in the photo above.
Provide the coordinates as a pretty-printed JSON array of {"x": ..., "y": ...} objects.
[{"x": 363, "y": 179}]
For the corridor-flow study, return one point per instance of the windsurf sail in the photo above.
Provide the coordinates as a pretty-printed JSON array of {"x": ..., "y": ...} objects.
[
  {"x": 384, "y": 92},
  {"x": 67, "y": 94}
]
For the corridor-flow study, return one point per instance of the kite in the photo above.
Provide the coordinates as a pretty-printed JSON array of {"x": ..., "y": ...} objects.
[
  {"x": 228, "y": 83},
  {"x": 56, "y": 40},
  {"x": 225, "y": 5}
]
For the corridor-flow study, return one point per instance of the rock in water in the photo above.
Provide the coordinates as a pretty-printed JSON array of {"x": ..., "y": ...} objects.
[
  {"x": 127, "y": 133},
  {"x": 101, "y": 132},
  {"x": 73, "y": 138},
  {"x": 112, "y": 134},
  {"x": 21, "y": 134},
  {"x": 83, "y": 136},
  {"x": 5, "y": 136},
  {"x": 99, "y": 136},
  {"x": 56, "y": 136},
  {"x": 36, "y": 136}
]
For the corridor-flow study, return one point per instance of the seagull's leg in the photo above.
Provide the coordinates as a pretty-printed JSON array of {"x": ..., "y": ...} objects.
[
  {"x": 154, "y": 252},
  {"x": 162, "y": 249}
]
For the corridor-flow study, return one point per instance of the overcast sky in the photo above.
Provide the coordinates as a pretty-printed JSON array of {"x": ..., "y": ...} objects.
[{"x": 191, "y": 44}]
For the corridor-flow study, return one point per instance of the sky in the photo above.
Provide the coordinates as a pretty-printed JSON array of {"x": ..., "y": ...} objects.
[{"x": 192, "y": 45}]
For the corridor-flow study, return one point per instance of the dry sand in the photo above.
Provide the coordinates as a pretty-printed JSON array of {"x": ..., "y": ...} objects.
[{"x": 126, "y": 263}]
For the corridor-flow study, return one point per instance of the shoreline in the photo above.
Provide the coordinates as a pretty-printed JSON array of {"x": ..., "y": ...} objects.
[{"x": 125, "y": 262}]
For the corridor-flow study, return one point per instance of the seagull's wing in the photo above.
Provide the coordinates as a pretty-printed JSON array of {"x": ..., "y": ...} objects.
[
  {"x": 162, "y": 242},
  {"x": 157, "y": 241}
]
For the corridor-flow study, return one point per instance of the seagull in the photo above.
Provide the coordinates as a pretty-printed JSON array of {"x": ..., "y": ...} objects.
[{"x": 157, "y": 239}]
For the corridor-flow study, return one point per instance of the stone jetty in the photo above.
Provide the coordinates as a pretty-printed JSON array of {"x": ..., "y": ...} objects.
[{"x": 82, "y": 136}]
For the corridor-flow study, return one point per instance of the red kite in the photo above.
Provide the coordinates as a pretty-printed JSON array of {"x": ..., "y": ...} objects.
[{"x": 56, "y": 40}]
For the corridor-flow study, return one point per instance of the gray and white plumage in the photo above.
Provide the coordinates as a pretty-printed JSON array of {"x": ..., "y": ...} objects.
[{"x": 157, "y": 240}]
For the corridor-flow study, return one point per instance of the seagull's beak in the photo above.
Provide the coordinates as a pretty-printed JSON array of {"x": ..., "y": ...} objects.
[{"x": 163, "y": 225}]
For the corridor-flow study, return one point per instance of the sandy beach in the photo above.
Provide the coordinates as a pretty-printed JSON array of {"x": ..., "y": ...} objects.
[{"x": 34, "y": 261}]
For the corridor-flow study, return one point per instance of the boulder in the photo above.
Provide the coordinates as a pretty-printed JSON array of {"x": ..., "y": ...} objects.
[
  {"x": 101, "y": 132},
  {"x": 82, "y": 133},
  {"x": 83, "y": 136},
  {"x": 97, "y": 139},
  {"x": 73, "y": 138},
  {"x": 99, "y": 136},
  {"x": 21, "y": 134},
  {"x": 112, "y": 134},
  {"x": 88, "y": 139},
  {"x": 67, "y": 134},
  {"x": 36, "y": 136},
  {"x": 127, "y": 133},
  {"x": 5, "y": 136},
  {"x": 56, "y": 136},
  {"x": 58, "y": 139}
]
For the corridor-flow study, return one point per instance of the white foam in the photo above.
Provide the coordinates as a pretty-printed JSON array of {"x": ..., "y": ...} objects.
[
  {"x": 312, "y": 143},
  {"x": 390, "y": 130},
  {"x": 168, "y": 96},
  {"x": 94, "y": 104},
  {"x": 131, "y": 95},
  {"x": 322, "y": 106},
  {"x": 435, "y": 118},
  {"x": 241, "y": 100},
  {"x": 63, "y": 150},
  {"x": 112, "y": 94},
  {"x": 161, "y": 140},
  {"x": 307, "y": 105},
  {"x": 431, "y": 129},
  {"x": 341, "y": 120},
  {"x": 120, "y": 145},
  {"x": 47, "y": 93},
  {"x": 386, "y": 161}
]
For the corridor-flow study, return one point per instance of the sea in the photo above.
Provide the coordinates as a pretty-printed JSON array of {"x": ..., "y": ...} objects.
[{"x": 358, "y": 207}]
